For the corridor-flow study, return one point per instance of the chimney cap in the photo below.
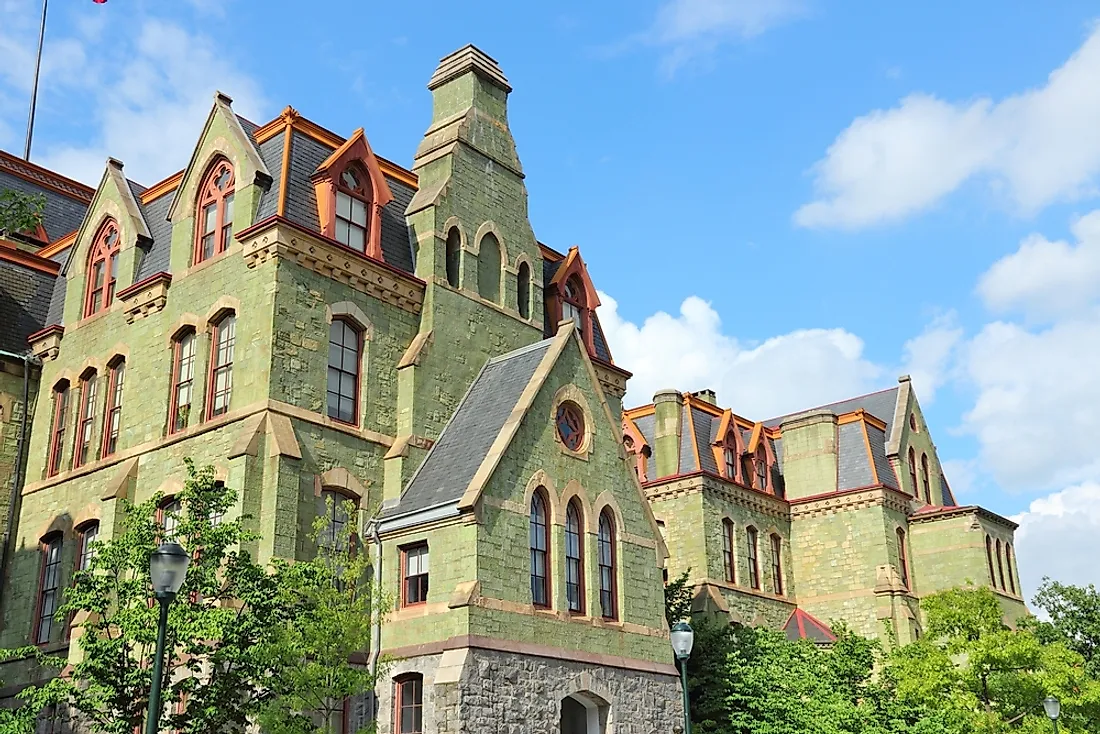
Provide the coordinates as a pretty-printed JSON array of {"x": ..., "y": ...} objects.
[
  {"x": 904, "y": 378},
  {"x": 664, "y": 396},
  {"x": 707, "y": 396},
  {"x": 466, "y": 59}
]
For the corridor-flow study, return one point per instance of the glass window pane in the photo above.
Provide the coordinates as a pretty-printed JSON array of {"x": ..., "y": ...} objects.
[
  {"x": 341, "y": 231},
  {"x": 358, "y": 212},
  {"x": 229, "y": 210},
  {"x": 343, "y": 205},
  {"x": 209, "y": 218},
  {"x": 355, "y": 239}
]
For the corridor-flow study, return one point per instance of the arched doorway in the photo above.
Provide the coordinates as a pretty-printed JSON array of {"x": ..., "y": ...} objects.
[{"x": 583, "y": 713}]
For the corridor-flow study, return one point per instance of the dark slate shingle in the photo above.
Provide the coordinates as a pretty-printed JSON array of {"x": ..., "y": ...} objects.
[
  {"x": 598, "y": 340},
  {"x": 704, "y": 427},
  {"x": 879, "y": 404},
  {"x": 55, "y": 313},
  {"x": 306, "y": 154},
  {"x": 468, "y": 436},
  {"x": 878, "y": 453},
  {"x": 62, "y": 214},
  {"x": 157, "y": 257},
  {"x": 687, "y": 452},
  {"x": 24, "y": 304},
  {"x": 853, "y": 466},
  {"x": 396, "y": 239},
  {"x": 271, "y": 151}
]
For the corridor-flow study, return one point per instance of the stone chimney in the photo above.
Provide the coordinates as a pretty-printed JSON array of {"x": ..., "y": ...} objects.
[
  {"x": 668, "y": 408},
  {"x": 809, "y": 453},
  {"x": 707, "y": 396}
]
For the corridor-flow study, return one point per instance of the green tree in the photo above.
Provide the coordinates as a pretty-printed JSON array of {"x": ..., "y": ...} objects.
[
  {"x": 244, "y": 642},
  {"x": 20, "y": 212},
  {"x": 1074, "y": 613},
  {"x": 678, "y": 597}
]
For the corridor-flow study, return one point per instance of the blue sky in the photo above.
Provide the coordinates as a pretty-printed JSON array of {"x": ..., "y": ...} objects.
[{"x": 790, "y": 201}]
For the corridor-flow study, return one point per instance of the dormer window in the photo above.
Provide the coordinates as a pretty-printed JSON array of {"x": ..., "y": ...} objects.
[
  {"x": 214, "y": 215},
  {"x": 352, "y": 209},
  {"x": 761, "y": 465},
  {"x": 102, "y": 269},
  {"x": 573, "y": 302}
]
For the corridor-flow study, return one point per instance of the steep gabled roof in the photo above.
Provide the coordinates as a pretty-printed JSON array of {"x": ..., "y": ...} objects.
[
  {"x": 66, "y": 199},
  {"x": 804, "y": 626},
  {"x": 24, "y": 302},
  {"x": 880, "y": 404}
]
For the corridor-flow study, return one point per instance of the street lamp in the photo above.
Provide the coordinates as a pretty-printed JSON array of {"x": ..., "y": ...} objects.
[
  {"x": 1053, "y": 708},
  {"x": 683, "y": 637},
  {"x": 167, "y": 568}
]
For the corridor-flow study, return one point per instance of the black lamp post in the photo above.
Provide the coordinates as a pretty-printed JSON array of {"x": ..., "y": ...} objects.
[
  {"x": 167, "y": 568},
  {"x": 683, "y": 637},
  {"x": 1053, "y": 708}
]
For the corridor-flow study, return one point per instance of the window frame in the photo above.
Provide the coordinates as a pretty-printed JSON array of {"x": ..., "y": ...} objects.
[
  {"x": 48, "y": 560},
  {"x": 86, "y": 419},
  {"x": 357, "y": 376},
  {"x": 924, "y": 478},
  {"x": 760, "y": 468},
  {"x": 174, "y": 424},
  {"x": 84, "y": 554},
  {"x": 405, "y": 577},
  {"x": 903, "y": 558},
  {"x": 574, "y": 304},
  {"x": 106, "y": 252},
  {"x": 539, "y": 530},
  {"x": 338, "y": 500},
  {"x": 55, "y": 456},
  {"x": 1008, "y": 564},
  {"x": 217, "y": 350},
  {"x": 572, "y": 415},
  {"x": 989, "y": 559},
  {"x": 209, "y": 194},
  {"x": 364, "y": 195},
  {"x": 913, "y": 472},
  {"x": 399, "y": 705},
  {"x": 523, "y": 290},
  {"x": 112, "y": 416},
  {"x": 1000, "y": 564},
  {"x": 608, "y": 572},
  {"x": 573, "y": 510},
  {"x": 753, "y": 536},
  {"x": 453, "y": 257},
  {"x": 729, "y": 556},
  {"x": 777, "y": 563},
  {"x": 172, "y": 504}
]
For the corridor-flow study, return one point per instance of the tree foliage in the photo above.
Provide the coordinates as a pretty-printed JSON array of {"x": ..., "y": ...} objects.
[
  {"x": 244, "y": 642},
  {"x": 1074, "y": 620},
  {"x": 20, "y": 212}
]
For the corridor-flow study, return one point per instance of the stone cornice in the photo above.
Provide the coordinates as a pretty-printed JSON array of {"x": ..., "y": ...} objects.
[
  {"x": 145, "y": 297},
  {"x": 944, "y": 513},
  {"x": 857, "y": 499},
  {"x": 752, "y": 499},
  {"x": 46, "y": 344},
  {"x": 279, "y": 239},
  {"x": 612, "y": 379}
]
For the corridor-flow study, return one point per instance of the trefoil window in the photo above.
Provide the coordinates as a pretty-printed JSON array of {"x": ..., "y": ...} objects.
[
  {"x": 102, "y": 269},
  {"x": 214, "y": 218}
]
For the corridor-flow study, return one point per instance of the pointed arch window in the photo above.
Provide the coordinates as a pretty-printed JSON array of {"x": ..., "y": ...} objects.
[
  {"x": 334, "y": 508},
  {"x": 752, "y": 537},
  {"x": 454, "y": 256},
  {"x": 345, "y": 344},
  {"x": 539, "y": 544},
  {"x": 903, "y": 559},
  {"x": 573, "y": 302},
  {"x": 1000, "y": 566},
  {"x": 221, "y": 364},
  {"x": 214, "y": 215},
  {"x": 102, "y": 269},
  {"x": 607, "y": 561},
  {"x": 112, "y": 419},
  {"x": 49, "y": 588},
  {"x": 1008, "y": 564},
  {"x": 523, "y": 290},
  {"x": 353, "y": 203},
  {"x": 924, "y": 478},
  {"x": 183, "y": 381},
  {"x": 60, "y": 422},
  {"x": 729, "y": 559},
  {"x": 89, "y": 400},
  {"x": 913, "y": 473},
  {"x": 488, "y": 268},
  {"x": 761, "y": 466},
  {"x": 989, "y": 559},
  {"x": 88, "y": 534},
  {"x": 777, "y": 563},
  {"x": 574, "y": 558}
]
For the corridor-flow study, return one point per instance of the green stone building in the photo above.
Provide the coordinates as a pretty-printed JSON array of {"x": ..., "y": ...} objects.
[{"x": 320, "y": 323}]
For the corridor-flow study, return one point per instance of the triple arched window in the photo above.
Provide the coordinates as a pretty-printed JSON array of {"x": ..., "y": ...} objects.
[
  {"x": 488, "y": 268},
  {"x": 998, "y": 564},
  {"x": 606, "y": 557},
  {"x": 102, "y": 269},
  {"x": 214, "y": 215}
]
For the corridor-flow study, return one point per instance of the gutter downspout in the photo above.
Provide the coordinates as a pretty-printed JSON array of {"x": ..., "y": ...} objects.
[
  {"x": 376, "y": 621},
  {"x": 17, "y": 471}
]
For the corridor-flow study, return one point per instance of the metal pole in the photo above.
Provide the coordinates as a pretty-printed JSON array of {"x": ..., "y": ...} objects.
[
  {"x": 1055, "y": 726},
  {"x": 153, "y": 721},
  {"x": 34, "y": 87},
  {"x": 687, "y": 705}
]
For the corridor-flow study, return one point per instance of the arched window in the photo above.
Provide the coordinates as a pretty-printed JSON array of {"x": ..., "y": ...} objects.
[
  {"x": 334, "y": 508},
  {"x": 49, "y": 588},
  {"x": 540, "y": 543},
  {"x": 87, "y": 534},
  {"x": 221, "y": 364},
  {"x": 573, "y": 302},
  {"x": 112, "y": 419},
  {"x": 523, "y": 290},
  {"x": 903, "y": 559},
  {"x": 761, "y": 466},
  {"x": 454, "y": 256},
  {"x": 344, "y": 345},
  {"x": 183, "y": 380},
  {"x": 1000, "y": 566},
  {"x": 57, "y": 433},
  {"x": 754, "y": 564},
  {"x": 89, "y": 390},
  {"x": 1008, "y": 563},
  {"x": 102, "y": 269},
  {"x": 730, "y": 461},
  {"x": 408, "y": 706},
  {"x": 214, "y": 215},
  {"x": 353, "y": 202},
  {"x": 729, "y": 560},
  {"x": 606, "y": 543},
  {"x": 488, "y": 268},
  {"x": 574, "y": 558},
  {"x": 989, "y": 559},
  {"x": 924, "y": 478},
  {"x": 777, "y": 563},
  {"x": 913, "y": 472}
]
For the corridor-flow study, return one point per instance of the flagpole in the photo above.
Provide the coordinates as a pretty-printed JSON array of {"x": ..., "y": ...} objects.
[{"x": 34, "y": 88}]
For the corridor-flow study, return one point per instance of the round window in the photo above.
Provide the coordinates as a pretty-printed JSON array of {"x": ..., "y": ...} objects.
[{"x": 570, "y": 423}]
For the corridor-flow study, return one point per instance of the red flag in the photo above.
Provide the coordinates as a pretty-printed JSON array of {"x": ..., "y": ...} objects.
[{"x": 99, "y": 2}]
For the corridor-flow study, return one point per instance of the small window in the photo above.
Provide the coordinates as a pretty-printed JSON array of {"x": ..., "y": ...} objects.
[
  {"x": 754, "y": 563},
  {"x": 221, "y": 364},
  {"x": 112, "y": 420},
  {"x": 102, "y": 269},
  {"x": 761, "y": 466},
  {"x": 570, "y": 425},
  {"x": 574, "y": 558},
  {"x": 168, "y": 516},
  {"x": 414, "y": 575},
  {"x": 573, "y": 302},
  {"x": 903, "y": 559},
  {"x": 183, "y": 381},
  {"x": 730, "y": 459},
  {"x": 1000, "y": 566},
  {"x": 488, "y": 268},
  {"x": 344, "y": 344},
  {"x": 1008, "y": 564},
  {"x": 913, "y": 423},
  {"x": 334, "y": 508},
  {"x": 523, "y": 290},
  {"x": 49, "y": 588},
  {"x": 88, "y": 534},
  {"x": 539, "y": 545},
  {"x": 606, "y": 543},
  {"x": 924, "y": 478},
  {"x": 729, "y": 559},
  {"x": 409, "y": 704},
  {"x": 913, "y": 473},
  {"x": 214, "y": 217},
  {"x": 57, "y": 434},
  {"x": 353, "y": 208},
  {"x": 777, "y": 563},
  {"x": 86, "y": 421},
  {"x": 454, "y": 256},
  {"x": 989, "y": 559}
]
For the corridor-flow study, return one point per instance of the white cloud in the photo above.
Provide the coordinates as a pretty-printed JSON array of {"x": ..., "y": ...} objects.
[
  {"x": 1047, "y": 278},
  {"x": 690, "y": 351},
  {"x": 1058, "y": 537},
  {"x": 1039, "y": 145},
  {"x": 929, "y": 357}
]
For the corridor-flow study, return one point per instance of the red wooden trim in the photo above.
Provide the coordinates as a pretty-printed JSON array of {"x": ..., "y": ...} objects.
[
  {"x": 399, "y": 699},
  {"x": 404, "y": 566},
  {"x": 112, "y": 386},
  {"x": 46, "y": 332},
  {"x": 46, "y": 178},
  {"x": 154, "y": 278},
  {"x": 82, "y": 415},
  {"x": 101, "y": 252},
  {"x": 358, "y": 370},
  {"x": 30, "y": 260},
  {"x": 173, "y": 399},
  {"x": 753, "y": 536},
  {"x": 57, "y": 429},
  {"x": 213, "y": 367}
]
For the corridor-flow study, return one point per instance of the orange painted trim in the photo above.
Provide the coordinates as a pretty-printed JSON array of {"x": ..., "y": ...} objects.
[
  {"x": 641, "y": 410},
  {"x": 161, "y": 188},
  {"x": 549, "y": 253},
  {"x": 703, "y": 405},
  {"x": 268, "y": 130},
  {"x": 724, "y": 426},
  {"x": 58, "y": 245},
  {"x": 284, "y": 174},
  {"x": 754, "y": 439},
  {"x": 44, "y": 177},
  {"x": 32, "y": 260}
]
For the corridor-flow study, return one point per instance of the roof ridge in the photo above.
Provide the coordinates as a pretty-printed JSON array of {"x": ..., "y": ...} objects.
[
  {"x": 521, "y": 351},
  {"x": 34, "y": 173}
]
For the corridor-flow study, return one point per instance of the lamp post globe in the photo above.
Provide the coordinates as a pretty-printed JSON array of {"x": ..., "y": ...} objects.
[
  {"x": 682, "y": 637},
  {"x": 1053, "y": 708},
  {"x": 167, "y": 570}
]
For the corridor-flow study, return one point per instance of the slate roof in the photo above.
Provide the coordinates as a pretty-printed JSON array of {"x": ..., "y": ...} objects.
[
  {"x": 466, "y": 439},
  {"x": 804, "y": 626},
  {"x": 64, "y": 211},
  {"x": 24, "y": 301},
  {"x": 880, "y": 404}
]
